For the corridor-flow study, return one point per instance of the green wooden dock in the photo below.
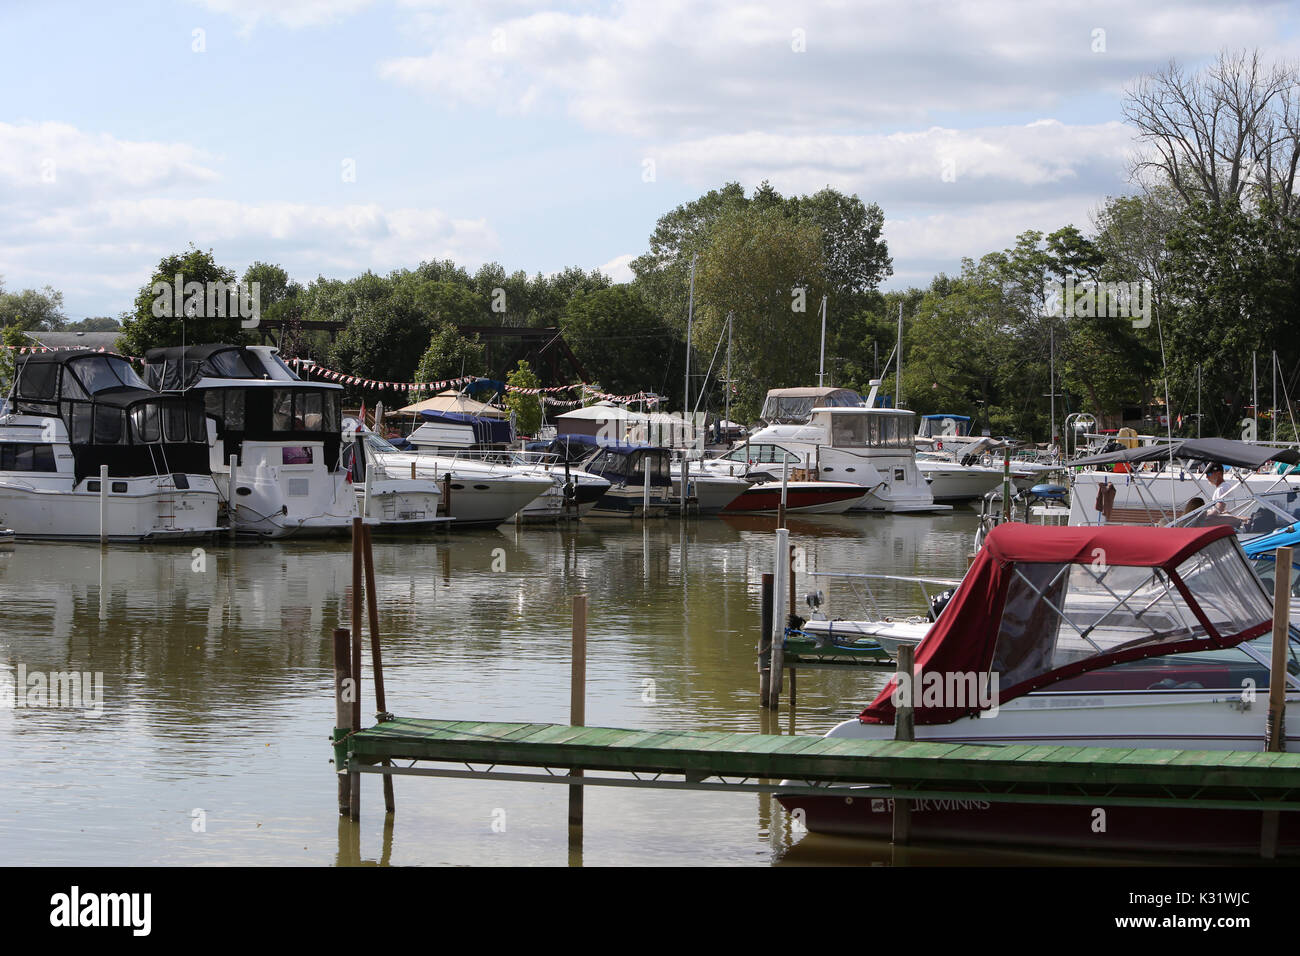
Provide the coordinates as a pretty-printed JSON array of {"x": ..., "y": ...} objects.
[{"x": 750, "y": 762}]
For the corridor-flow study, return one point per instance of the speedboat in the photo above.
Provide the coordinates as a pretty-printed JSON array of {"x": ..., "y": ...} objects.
[
  {"x": 640, "y": 478},
  {"x": 390, "y": 497},
  {"x": 476, "y": 493},
  {"x": 76, "y": 415},
  {"x": 766, "y": 467},
  {"x": 1105, "y": 637}
]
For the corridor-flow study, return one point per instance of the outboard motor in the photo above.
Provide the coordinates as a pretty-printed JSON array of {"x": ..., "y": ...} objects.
[{"x": 939, "y": 602}]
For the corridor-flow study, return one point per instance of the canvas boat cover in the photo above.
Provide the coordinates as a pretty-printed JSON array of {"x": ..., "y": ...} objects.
[
  {"x": 1225, "y": 451},
  {"x": 1042, "y": 604}
]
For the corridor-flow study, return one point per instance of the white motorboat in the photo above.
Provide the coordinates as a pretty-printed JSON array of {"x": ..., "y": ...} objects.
[
  {"x": 283, "y": 435},
  {"x": 77, "y": 412},
  {"x": 869, "y": 446},
  {"x": 476, "y": 493},
  {"x": 768, "y": 470}
]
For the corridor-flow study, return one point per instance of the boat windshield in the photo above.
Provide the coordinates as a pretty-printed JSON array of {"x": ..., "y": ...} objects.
[
  {"x": 1056, "y": 615},
  {"x": 798, "y": 408},
  {"x": 100, "y": 372}
]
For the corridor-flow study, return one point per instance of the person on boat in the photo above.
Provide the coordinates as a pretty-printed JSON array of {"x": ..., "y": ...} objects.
[{"x": 1218, "y": 512}]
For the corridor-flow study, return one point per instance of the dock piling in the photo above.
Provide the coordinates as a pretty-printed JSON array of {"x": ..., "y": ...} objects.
[
  {"x": 342, "y": 712},
  {"x": 779, "y": 611},
  {"x": 578, "y": 696},
  {"x": 357, "y": 562},
  {"x": 103, "y": 505},
  {"x": 1275, "y": 727},
  {"x": 376, "y": 658},
  {"x": 645, "y": 491},
  {"x": 765, "y": 643},
  {"x": 905, "y": 729},
  {"x": 232, "y": 508}
]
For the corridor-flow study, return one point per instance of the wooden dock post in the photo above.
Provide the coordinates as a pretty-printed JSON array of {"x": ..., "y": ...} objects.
[
  {"x": 103, "y": 505},
  {"x": 578, "y": 695},
  {"x": 645, "y": 490},
  {"x": 779, "y": 612},
  {"x": 357, "y": 562},
  {"x": 780, "y": 509},
  {"x": 376, "y": 658},
  {"x": 765, "y": 643},
  {"x": 794, "y": 603},
  {"x": 1275, "y": 726},
  {"x": 905, "y": 729},
  {"x": 343, "y": 689}
]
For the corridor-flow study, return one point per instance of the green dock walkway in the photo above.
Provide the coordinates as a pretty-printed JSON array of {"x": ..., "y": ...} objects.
[{"x": 681, "y": 759}]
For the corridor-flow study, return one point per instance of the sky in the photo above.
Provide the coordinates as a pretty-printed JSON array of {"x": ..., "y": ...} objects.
[{"x": 336, "y": 136}]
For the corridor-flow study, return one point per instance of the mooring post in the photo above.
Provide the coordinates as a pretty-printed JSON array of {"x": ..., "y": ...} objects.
[
  {"x": 357, "y": 562},
  {"x": 779, "y": 612},
  {"x": 645, "y": 490},
  {"x": 343, "y": 689},
  {"x": 1006, "y": 483},
  {"x": 103, "y": 505},
  {"x": 231, "y": 508},
  {"x": 780, "y": 509},
  {"x": 686, "y": 480},
  {"x": 578, "y": 696},
  {"x": 904, "y": 729},
  {"x": 765, "y": 642},
  {"x": 376, "y": 659},
  {"x": 1275, "y": 729},
  {"x": 794, "y": 603}
]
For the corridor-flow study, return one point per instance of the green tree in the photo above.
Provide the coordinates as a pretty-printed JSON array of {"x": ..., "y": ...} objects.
[
  {"x": 159, "y": 321},
  {"x": 768, "y": 271},
  {"x": 527, "y": 409},
  {"x": 619, "y": 338},
  {"x": 449, "y": 355},
  {"x": 32, "y": 310}
]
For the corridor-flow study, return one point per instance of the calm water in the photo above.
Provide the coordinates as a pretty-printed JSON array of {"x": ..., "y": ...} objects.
[{"x": 217, "y": 689}]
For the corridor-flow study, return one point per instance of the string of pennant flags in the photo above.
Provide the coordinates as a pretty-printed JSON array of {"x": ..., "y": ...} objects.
[{"x": 308, "y": 367}]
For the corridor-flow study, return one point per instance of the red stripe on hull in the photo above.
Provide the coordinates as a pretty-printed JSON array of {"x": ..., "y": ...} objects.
[
  {"x": 761, "y": 499},
  {"x": 1160, "y": 829}
]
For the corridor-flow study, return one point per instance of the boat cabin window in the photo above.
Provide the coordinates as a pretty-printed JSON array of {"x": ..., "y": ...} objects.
[
  {"x": 763, "y": 454},
  {"x": 630, "y": 466},
  {"x": 944, "y": 426},
  {"x": 230, "y": 363},
  {"x": 108, "y": 425},
  {"x": 38, "y": 380},
  {"x": 101, "y": 372},
  {"x": 870, "y": 431},
  {"x": 26, "y": 456},
  {"x": 303, "y": 410}
]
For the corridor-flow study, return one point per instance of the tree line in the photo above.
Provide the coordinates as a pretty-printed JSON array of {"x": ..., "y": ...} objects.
[{"x": 1187, "y": 279}]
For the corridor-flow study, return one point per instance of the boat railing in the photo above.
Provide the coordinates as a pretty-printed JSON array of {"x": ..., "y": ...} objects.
[{"x": 860, "y": 584}]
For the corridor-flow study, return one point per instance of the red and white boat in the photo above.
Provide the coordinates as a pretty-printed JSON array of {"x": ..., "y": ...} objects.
[
  {"x": 763, "y": 468},
  {"x": 1086, "y": 636}
]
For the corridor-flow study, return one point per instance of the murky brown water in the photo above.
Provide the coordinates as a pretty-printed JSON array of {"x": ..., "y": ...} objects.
[{"x": 217, "y": 702}]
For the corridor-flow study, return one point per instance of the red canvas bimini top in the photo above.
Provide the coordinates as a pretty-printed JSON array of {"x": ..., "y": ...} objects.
[{"x": 964, "y": 638}]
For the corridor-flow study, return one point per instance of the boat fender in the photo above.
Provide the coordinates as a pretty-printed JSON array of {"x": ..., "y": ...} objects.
[
  {"x": 939, "y": 602},
  {"x": 938, "y": 446}
]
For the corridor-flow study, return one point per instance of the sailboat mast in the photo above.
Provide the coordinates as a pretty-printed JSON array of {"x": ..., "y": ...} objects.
[
  {"x": 727, "y": 390},
  {"x": 690, "y": 311},
  {"x": 1051, "y": 337},
  {"x": 821, "y": 365},
  {"x": 898, "y": 366}
]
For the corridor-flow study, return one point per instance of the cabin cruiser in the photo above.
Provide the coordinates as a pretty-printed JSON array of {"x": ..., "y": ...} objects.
[
  {"x": 868, "y": 446},
  {"x": 282, "y": 434},
  {"x": 75, "y": 415},
  {"x": 640, "y": 479},
  {"x": 1162, "y": 643},
  {"x": 476, "y": 493},
  {"x": 763, "y": 466}
]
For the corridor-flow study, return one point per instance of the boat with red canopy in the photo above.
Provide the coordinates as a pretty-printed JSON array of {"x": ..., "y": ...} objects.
[{"x": 1084, "y": 636}]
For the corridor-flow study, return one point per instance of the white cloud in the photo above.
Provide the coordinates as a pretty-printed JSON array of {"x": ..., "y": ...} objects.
[
  {"x": 289, "y": 13},
  {"x": 55, "y": 162},
  {"x": 690, "y": 68},
  {"x": 934, "y": 167},
  {"x": 619, "y": 268}
]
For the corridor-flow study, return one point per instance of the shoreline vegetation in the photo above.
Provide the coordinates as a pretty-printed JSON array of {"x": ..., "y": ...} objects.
[{"x": 1209, "y": 240}]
